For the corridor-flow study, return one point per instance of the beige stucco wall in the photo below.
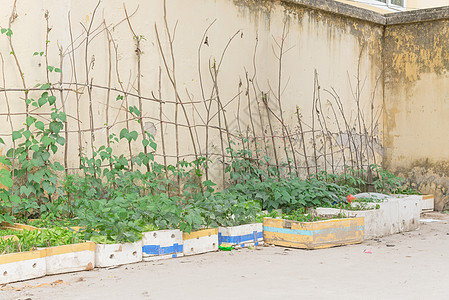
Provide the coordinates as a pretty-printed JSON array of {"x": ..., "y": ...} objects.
[
  {"x": 416, "y": 105},
  {"x": 420, "y": 4},
  {"x": 338, "y": 48},
  {"x": 364, "y": 5},
  {"x": 410, "y": 5},
  {"x": 398, "y": 72}
]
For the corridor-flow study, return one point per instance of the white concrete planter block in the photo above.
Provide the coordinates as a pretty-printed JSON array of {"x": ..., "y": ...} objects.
[
  {"x": 22, "y": 266},
  {"x": 70, "y": 258},
  {"x": 241, "y": 236},
  {"x": 428, "y": 203},
  {"x": 107, "y": 255},
  {"x": 200, "y": 241},
  {"x": 395, "y": 215},
  {"x": 162, "y": 244}
]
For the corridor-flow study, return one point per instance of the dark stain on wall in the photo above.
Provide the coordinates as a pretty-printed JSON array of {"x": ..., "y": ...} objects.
[{"x": 413, "y": 49}]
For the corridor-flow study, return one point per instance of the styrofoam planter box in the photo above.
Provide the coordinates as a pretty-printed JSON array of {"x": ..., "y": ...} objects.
[
  {"x": 427, "y": 203},
  {"x": 201, "y": 241},
  {"x": 22, "y": 266},
  {"x": 395, "y": 215},
  {"x": 375, "y": 225},
  {"x": 313, "y": 235},
  {"x": 70, "y": 258},
  {"x": 405, "y": 211},
  {"x": 108, "y": 255},
  {"x": 241, "y": 236},
  {"x": 162, "y": 244},
  {"x": 409, "y": 212}
]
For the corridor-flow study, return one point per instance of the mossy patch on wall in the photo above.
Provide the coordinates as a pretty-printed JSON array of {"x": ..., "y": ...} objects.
[{"x": 413, "y": 49}]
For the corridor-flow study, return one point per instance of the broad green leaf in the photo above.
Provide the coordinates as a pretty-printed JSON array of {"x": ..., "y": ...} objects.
[
  {"x": 54, "y": 148},
  {"x": 134, "y": 135},
  {"x": 40, "y": 125},
  {"x": 124, "y": 133},
  {"x": 60, "y": 140},
  {"x": 15, "y": 199},
  {"x": 51, "y": 100},
  {"x": 47, "y": 140},
  {"x": 41, "y": 101},
  {"x": 25, "y": 190},
  {"x": 6, "y": 178},
  {"x": 45, "y": 156},
  {"x": 58, "y": 166},
  {"x": 5, "y": 161},
  {"x": 27, "y": 135},
  {"x": 48, "y": 187},
  {"x": 16, "y": 135},
  {"x": 62, "y": 116},
  {"x": 55, "y": 127},
  {"x": 45, "y": 86},
  {"x": 30, "y": 120}
]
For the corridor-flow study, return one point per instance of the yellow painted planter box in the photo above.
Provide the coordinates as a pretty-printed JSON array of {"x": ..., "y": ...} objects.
[
  {"x": 313, "y": 235},
  {"x": 201, "y": 241},
  {"x": 22, "y": 266},
  {"x": 428, "y": 203},
  {"x": 70, "y": 258}
]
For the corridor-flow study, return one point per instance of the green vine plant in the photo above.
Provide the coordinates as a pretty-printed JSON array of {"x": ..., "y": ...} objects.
[{"x": 34, "y": 172}]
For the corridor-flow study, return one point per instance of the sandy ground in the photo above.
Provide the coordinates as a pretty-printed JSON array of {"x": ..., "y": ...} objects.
[{"x": 412, "y": 265}]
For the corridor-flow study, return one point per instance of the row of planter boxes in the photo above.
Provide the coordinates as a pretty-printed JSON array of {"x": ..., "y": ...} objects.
[
  {"x": 47, "y": 261},
  {"x": 394, "y": 215},
  {"x": 155, "y": 245}
]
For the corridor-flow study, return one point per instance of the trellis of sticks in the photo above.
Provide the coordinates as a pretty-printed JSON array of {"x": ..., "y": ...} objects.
[{"x": 331, "y": 139}]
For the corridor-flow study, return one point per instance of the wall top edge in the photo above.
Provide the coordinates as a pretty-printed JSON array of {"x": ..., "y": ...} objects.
[
  {"x": 403, "y": 17},
  {"x": 420, "y": 15}
]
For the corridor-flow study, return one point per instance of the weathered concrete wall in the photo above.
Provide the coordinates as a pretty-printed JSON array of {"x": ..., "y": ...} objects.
[{"x": 416, "y": 105}]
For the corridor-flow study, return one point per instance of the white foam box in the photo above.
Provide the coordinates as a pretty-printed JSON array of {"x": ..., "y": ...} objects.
[
  {"x": 108, "y": 255},
  {"x": 395, "y": 215},
  {"x": 201, "y": 241},
  {"x": 70, "y": 258},
  {"x": 374, "y": 220},
  {"x": 409, "y": 212},
  {"x": 241, "y": 236},
  {"x": 427, "y": 203},
  {"x": 162, "y": 244},
  {"x": 22, "y": 266}
]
